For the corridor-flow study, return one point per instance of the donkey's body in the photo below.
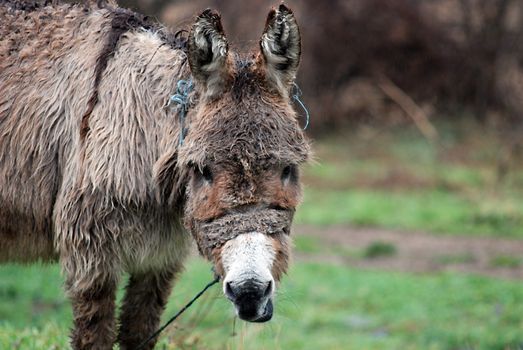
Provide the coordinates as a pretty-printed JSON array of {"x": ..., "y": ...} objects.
[
  {"x": 90, "y": 169},
  {"x": 48, "y": 170},
  {"x": 90, "y": 198}
]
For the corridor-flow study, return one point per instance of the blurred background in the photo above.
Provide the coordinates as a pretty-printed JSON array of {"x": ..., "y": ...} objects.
[{"x": 411, "y": 231}]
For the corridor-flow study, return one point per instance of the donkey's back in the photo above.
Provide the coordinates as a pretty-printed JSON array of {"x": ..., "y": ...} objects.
[{"x": 45, "y": 53}]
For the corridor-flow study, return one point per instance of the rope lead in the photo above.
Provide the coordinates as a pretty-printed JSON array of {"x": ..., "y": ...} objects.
[{"x": 182, "y": 310}]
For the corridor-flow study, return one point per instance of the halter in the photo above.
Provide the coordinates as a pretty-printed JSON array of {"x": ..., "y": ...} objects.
[{"x": 218, "y": 231}]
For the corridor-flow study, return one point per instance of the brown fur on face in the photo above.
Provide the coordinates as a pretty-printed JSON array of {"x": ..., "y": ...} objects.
[
  {"x": 281, "y": 262},
  {"x": 249, "y": 124}
]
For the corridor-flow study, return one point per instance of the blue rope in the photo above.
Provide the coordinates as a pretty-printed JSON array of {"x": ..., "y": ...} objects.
[
  {"x": 181, "y": 98},
  {"x": 296, "y": 95},
  {"x": 185, "y": 87}
]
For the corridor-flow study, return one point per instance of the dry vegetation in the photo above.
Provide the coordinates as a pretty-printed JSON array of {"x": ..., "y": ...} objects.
[{"x": 442, "y": 54}]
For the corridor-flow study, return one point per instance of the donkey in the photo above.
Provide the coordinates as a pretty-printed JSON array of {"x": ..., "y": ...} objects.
[{"x": 98, "y": 173}]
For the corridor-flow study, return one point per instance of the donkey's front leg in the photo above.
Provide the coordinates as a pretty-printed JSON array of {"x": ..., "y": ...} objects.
[
  {"x": 93, "y": 312},
  {"x": 145, "y": 299}
]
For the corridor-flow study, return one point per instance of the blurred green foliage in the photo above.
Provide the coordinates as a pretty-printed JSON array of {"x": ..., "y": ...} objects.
[
  {"x": 507, "y": 261},
  {"x": 397, "y": 179},
  {"x": 379, "y": 249}
]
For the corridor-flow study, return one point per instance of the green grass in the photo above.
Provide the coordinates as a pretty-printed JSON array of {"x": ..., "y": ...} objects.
[
  {"x": 307, "y": 244},
  {"x": 314, "y": 245},
  {"x": 430, "y": 210},
  {"x": 399, "y": 180},
  {"x": 379, "y": 249},
  {"x": 318, "y": 307},
  {"x": 460, "y": 258},
  {"x": 506, "y": 261}
]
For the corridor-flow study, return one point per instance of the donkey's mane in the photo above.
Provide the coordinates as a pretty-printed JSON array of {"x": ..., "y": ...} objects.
[
  {"x": 122, "y": 21},
  {"x": 23, "y": 5}
]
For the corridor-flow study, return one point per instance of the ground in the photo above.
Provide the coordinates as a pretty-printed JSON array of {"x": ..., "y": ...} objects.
[
  {"x": 411, "y": 251},
  {"x": 320, "y": 305}
]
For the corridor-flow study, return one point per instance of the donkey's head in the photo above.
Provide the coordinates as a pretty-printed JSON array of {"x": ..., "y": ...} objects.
[{"x": 244, "y": 146}]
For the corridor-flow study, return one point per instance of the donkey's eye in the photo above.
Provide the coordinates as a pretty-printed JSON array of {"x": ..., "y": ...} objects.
[
  {"x": 289, "y": 173},
  {"x": 204, "y": 173}
]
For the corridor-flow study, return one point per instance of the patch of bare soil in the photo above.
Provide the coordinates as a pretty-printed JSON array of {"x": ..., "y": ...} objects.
[{"x": 418, "y": 251}]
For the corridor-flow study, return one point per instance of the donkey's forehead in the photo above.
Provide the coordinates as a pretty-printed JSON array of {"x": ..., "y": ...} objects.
[
  {"x": 237, "y": 153},
  {"x": 251, "y": 164},
  {"x": 247, "y": 82},
  {"x": 255, "y": 133}
]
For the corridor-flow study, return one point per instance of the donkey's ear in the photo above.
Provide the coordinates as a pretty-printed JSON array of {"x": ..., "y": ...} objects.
[
  {"x": 208, "y": 53},
  {"x": 280, "y": 47}
]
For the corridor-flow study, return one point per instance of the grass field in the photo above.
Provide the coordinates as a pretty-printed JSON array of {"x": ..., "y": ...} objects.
[
  {"x": 318, "y": 307},
  {"x": 397, "y": 179},
  {"x": 393, "y": 179}
]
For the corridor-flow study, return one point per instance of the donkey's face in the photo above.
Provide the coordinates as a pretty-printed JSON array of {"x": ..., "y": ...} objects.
[{"x": 243, "y": 149}]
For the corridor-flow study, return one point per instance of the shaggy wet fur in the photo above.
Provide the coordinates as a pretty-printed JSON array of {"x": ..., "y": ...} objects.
[{"x": 91, "y": 171}]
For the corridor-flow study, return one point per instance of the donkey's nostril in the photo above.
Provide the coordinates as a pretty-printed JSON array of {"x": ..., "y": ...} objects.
[
  {"x": 229, "y": 291},
  {"x": 268, "y": 290},
  {"x": 250, "y": 290}
]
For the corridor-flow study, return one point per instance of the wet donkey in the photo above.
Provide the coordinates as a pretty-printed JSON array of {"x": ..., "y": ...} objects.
[{"x": 97, "y": 173}]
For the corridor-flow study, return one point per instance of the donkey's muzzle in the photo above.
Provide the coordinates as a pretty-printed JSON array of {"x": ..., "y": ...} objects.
[
  {"x": 215, "y": 233},
  {"x": 252, "y": 299}
]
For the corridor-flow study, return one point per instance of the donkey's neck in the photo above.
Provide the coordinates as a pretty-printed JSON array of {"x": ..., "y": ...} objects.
[{"x": 131, "y": 116}]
